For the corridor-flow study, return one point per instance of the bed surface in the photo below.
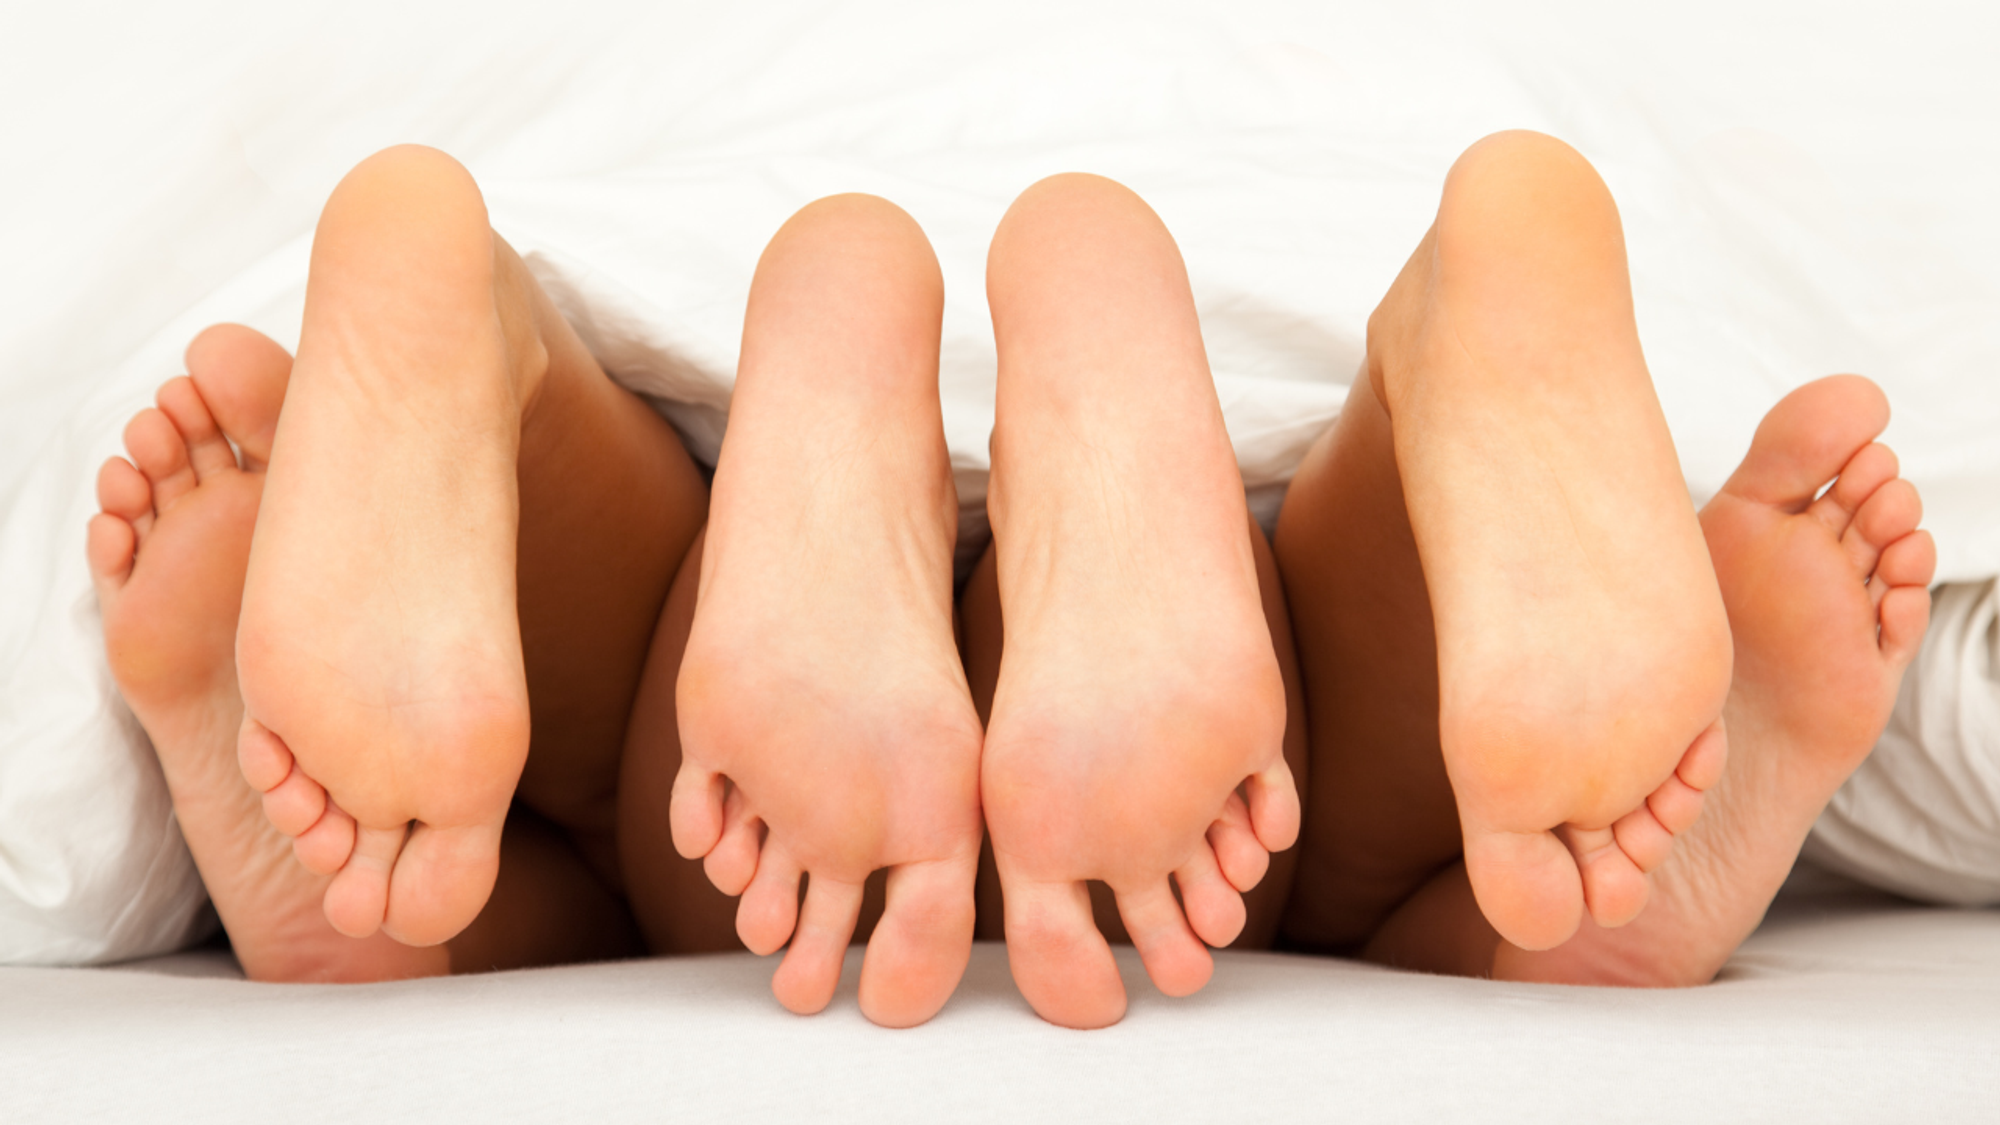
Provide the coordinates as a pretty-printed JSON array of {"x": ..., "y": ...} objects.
[{"x": 1845, "y": 1006}]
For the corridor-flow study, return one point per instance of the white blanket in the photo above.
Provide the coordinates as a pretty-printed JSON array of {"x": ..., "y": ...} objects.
[{"x": 1804, "y": 192}]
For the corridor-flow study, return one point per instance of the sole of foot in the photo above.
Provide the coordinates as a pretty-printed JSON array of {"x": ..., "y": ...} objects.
[
  {"x": 1826, "y": 578},
  {"x": 380, "y": 649},
  {"x": 167, "y": 554},
  {"x": 1138, "y": 718},
  {"x": 1583, "y": 651},
  {"x": 826, "y": 727}
]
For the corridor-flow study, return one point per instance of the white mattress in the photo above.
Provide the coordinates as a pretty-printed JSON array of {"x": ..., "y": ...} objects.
[{"x": 1843, "y": 1007}]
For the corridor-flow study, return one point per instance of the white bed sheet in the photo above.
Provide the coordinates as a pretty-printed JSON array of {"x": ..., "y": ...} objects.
[
  {"x": 1844, "y": 1007},
  {"x": 1805, "y": 188}
]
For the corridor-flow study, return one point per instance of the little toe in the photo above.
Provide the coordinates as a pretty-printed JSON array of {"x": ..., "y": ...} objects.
[
  {"x": 1614, "y": 888},
  {"x": 358, "y": 897},
  {"x": 109, "y": 545},
  {"x": 262, "y": 756},
  {"x": 1905, "y": 613},
  {"x": 123, "y": 490},
  {"x": 208, "y": 450},
  {"x": 157, "y": 449},
  {"x": 1241, "y": 855},
  {"x": 920, "y": 948},
  {"x": 323, "y": 848},
  {"x": 1214, "y": 908},
  {"x": 442, "y": 880},
  {"x": 1886, "y": 516},
  {"x": 1527, "y": 885},
  {"x": 806, "y": 979},
  {"x": 769, "y": 908},
  {"x": 1060, "y": 962},
  {"x": 732, "y": 863},
  {"x": 1706, "y": 757},
  {"x": 694, "y": 811},
  {"x": 1174, "y": 957},
  {"x": 294, "y": 804},
  {"x": 1274, "y": 806}
]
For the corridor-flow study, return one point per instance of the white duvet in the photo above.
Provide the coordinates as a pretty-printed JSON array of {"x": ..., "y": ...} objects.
[{"x": 1805, "y": 189}]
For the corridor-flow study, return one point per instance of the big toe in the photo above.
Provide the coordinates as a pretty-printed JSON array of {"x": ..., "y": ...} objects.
[
  {"x": 1807, "y": 438},
  {"x": 242, "y": 375},
  {"x": 441, "y": 881},
  {"x": 1061, "y": 964},
  {"x": 920, "y": 948},
  {"x": 1527, "y": 885}
]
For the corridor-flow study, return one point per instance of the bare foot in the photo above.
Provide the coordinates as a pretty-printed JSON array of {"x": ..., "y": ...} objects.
[
  {"x": 1828, "y": 599},
  {"x": 1139, "y": 698},
  {"x": 821, "y": 679},
  {"x": 167, "y": 555},
  {"x": 1583, "y": 652},
  {"x": 380, "y": 650}
]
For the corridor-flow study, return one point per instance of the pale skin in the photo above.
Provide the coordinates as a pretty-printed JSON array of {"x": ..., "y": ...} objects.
[{"x": 1490, "y": 760}]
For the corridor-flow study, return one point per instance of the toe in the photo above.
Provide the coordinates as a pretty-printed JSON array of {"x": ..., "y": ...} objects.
[
  {"x": 358, "y": 897},
  {"x": 294, "y": 804},
  {"x": 123, "y": 490},
  {"x": 1702, "y": 765},
  {"x": 1614, "y": 889},
  {"x": 1886, "y": 516},
  {"x": 208, "y": 451},
  {"x": 1174, "y": 957},
  {"x": 323, "y": 848},
  {"x": 1060, "y": 962},
  {"x": 242, "y": 375},
  {"x": 1905, "y": 612},
  {"x": 1237, "y": 849},
  {"x": 262, "y": 756},
  {"x": 1871, "y": 468},
  {"x": 732, "y": 863},
  {"x": 1676, "y": 805},
  {"x": 1274, "y": 806},
  {"x": 1526, "y": 884},
  {"x": 1214, "y": 908},
  {"x": 442, "y": 879},
  {"x": 1644, "y": 838},
  {"x": 805, "y": 981},
  {"x": 694, "y": 811},
  {"x": 920, "y": 948},
  {"x": 157, "y": 449},
  {"x": 769, "y": 908},
  {"x": 1909, "y": 561},
  {"x": 1806, "y": 439},
  {"x": 108, "y": 545}
]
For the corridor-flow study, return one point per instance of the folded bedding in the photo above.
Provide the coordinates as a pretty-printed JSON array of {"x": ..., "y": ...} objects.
[{"x": 1822, "y": 207}]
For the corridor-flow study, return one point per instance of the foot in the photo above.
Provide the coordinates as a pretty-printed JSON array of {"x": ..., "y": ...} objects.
[
  {"x": 825, "y": 722},
  {"x": 1138, "y": 718},
  {"x": 380, "y": 652},
  {"x": 167, "y": 555},
  {"x": 1583, "y": 653},
  {"x": 1827, "y": 589}
]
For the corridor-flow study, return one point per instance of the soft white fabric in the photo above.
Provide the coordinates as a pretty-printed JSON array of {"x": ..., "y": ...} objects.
[
  {"x": 1837, "y": 1010},
  {"x": 1804, "y": 191},
  {"x": 1921, "y": 817}
]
